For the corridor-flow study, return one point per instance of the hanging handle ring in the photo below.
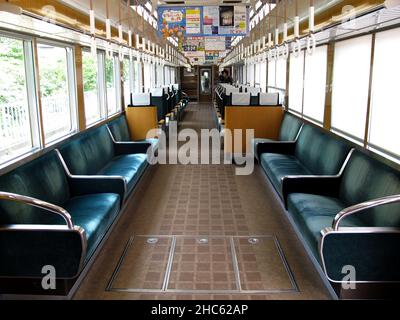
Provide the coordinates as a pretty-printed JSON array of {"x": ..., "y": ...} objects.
[
  {"x": 296, "y": 48},
  {"x": 285, "y": 52},
  {"x": 311, "y": 44}
]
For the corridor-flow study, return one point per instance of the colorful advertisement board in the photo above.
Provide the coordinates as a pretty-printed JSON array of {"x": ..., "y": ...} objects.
[
  {"x": 203, "y": 21},
  {"x": 191, "y": 44}
]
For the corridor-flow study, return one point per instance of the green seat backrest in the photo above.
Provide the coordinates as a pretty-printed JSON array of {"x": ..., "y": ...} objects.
[
  {"x": 320, "y": 152},
  {"x": 43, "y": 178},
  {"x": 366, "y": 179},
  {"x": 290, "y": 127},
  {"x": 89, "y": 152},
  {"x": 119, "y": 129}
]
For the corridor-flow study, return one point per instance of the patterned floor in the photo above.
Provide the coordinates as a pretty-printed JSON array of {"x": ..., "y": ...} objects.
[{"x": 187, "y": 234}]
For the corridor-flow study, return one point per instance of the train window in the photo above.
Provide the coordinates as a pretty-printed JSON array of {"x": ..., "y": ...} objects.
[
  {"x": 137, "y": 76},
  {"x": 127, "y": 76},
  {"x": 167, "y": 76},
  {"x": 159, "y": 75},
  {"x": 271, "y": 73},
  {"x": 18, "y": 116},
  {"x": 173, "y": 75},
  {"x": 315, "y": 84},
  {"x": 250, "y": 74},
  {"x": 296, "y": 80},
  {"x": 112, "y": 69},
  {"x": 153, "y": 75},
  {"x": 385, "y": 112},
  {"x": 257, "y": 74},
  {"x": 56, "y": 71},
  {"x": 148, "y": 74},
  {"x": 93, "y": 111},
  {"x": 263, "y": 76},
  {"x": 281, "y": 73},
  {"x": 351, "y": 72}
]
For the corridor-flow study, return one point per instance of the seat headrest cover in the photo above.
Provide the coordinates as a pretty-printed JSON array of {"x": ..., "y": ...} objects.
[
  {"x": 157, "y": 92},
  {"x": 240, "y": 99},
  {"x": 231, "y": 90},
  {"x": 254, "y": 91},
  {"x": 141, "y": 99},
  {"x": 269, "y": 99}
]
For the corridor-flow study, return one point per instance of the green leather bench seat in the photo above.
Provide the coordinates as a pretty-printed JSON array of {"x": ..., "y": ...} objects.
[
  {"x": 313, "y": 204},
  {"x": 131, "y": 167},
  {"x": 93, "y": 208},
  {"x": 95, "y": 213},
  {"x": 312, "y": 213},
  {"x": 94, "y": 153},
  {"x": 289, "y": 131},
  {"x": 278, "y": 166},
  {"x": 120, "y": 132},
  {"x": 313, "y": 153}
]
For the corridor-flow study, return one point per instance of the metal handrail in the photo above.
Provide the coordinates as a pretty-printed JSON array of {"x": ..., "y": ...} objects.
[
  {"x": 361, "y": 207},
  {"x": 218, "y": 94},
  {"x": 39, "y": 204}
]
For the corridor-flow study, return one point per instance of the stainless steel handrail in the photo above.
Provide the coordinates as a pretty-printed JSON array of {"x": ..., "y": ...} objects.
[
  {"x": 39, "y": 204},
  {"x": 218, "y": 94},
  {"x": 361, "y": 207}
]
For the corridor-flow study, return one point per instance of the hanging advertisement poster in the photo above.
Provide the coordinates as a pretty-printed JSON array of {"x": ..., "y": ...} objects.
[
  {"x": 211, "y": 20},
  {"x": 193, "y": 44},
  {"x": 215, "y": 43},
  {"x": 226, "y": 20},
  {"x": 211, "y": 56},
  {"x": 172, "y": 21},
  {"x": 193, "y": 20},
  {"x": 240, "y": 20}
]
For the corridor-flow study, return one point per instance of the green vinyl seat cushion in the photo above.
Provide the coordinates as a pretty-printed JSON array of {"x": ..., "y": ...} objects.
[
  {"x": 120, "y": 132},
  {"x": 95, "y": 213},
  {"x": 289, "y": 130},
  {"x": 131, "y": 167},
  {"x": 313, "y": 213},
  {"x": 278, "y": 166},
  {"x": 93, "y": 153},
  {"x": 119, "y": 129}
]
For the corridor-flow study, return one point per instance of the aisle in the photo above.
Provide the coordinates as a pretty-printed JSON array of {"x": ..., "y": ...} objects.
[{"x": 201, "y": 232}]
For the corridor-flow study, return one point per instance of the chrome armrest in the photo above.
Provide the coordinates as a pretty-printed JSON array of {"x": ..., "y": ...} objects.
[
  {"x": 39, "y": 204},
  {"x": 362, "y": 207}
]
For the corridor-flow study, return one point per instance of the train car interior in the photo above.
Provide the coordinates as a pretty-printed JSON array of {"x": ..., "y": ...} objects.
[{"x": 199, "y": 150}]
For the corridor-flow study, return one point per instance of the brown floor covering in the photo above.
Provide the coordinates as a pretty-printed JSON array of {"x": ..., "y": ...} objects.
[{"x": 186, "y": 201}]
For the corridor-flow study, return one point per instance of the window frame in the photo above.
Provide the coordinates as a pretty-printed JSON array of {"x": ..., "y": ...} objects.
[
  {"x": 32, "y": 99},
  {"x": 72, "y": 88}
]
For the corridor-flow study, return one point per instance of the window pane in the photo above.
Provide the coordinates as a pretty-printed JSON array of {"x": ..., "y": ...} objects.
[
  {"x": 111, "y": 85},
  {"x": 263, "y": 76},
  {"x": 57, "y": 107},
  {"x": 385, "y": 109},
  {"x": 15, "y": 127},
  {"x": 127, "y": 81},
  {"x": 296, "y": 82},
  {"x": 351, "y": 71},
  {"x": 257, "y": 75},
  {"x": 147, "y": 76},
  {"x": 136, "y": 76},
  {"x": 90, "y": 83},
  {"x": 281, "y": 73},
  {"x": 250, "y": 74},
  {"x": 167, "y": 76},
  {"x": 315, "y": 84},
  {"x": 271, "y": 74}
]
